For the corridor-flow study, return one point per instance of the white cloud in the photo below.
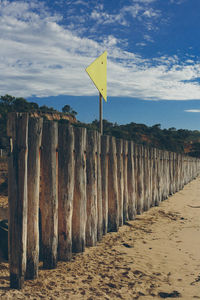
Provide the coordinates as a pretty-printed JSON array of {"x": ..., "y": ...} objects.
[
  {"x": 144, "y": 1},
  {"x": 148, "y": 38},
  {"x": 137, "y": 10},
  {"x": 151, "y": 13},
  {"x": 133, "y": 10},
  {"x": 142, "y": 44},
  {"x": 102, "y": 17},
  {"x": 177, "y": 1},
  {"x": 192, "y": 110},
  {"x": 40, "y": 57}
]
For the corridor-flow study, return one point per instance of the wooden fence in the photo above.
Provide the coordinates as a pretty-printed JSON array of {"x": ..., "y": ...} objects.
[{"x": 83, "y": 184}]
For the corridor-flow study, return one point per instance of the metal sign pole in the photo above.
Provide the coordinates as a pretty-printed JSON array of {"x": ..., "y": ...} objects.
[
  {"x": 100, "y": 114},
  {"x": 97, "y": 71}
]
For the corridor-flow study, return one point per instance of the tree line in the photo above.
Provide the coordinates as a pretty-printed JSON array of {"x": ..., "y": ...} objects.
[
  {"x": 9, "y": 103},
  {"x": 181, "y": 140}
]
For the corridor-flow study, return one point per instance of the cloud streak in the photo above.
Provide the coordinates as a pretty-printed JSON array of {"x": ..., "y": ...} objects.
[{"x": 192, "y": 110}]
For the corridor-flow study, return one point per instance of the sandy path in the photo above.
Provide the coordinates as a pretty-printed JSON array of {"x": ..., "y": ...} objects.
[{"x": 156, "y": 255}]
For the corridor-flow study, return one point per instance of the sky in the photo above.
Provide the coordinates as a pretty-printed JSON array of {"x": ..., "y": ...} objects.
[{"x": 153, "y": 68}]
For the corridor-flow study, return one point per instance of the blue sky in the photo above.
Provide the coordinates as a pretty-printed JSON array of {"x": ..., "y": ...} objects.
[{"x": 153, "y": 57}]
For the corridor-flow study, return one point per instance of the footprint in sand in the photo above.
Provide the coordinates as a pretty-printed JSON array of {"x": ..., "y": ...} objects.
[
  {"x": 174, "y": 294},
  {"x": 127, "y": 245}
]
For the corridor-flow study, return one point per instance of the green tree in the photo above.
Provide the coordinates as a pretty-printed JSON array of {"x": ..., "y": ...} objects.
[{"x": 67, "y": 109}]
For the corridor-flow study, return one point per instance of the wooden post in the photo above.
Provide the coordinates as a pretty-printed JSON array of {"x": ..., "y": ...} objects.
[
  {"x": 131, "y": 183},
  {"x": 17, "y": 130},
  {"x": 34, "y": 144},
  {"x": 80, "y": 200},
  {"x": 125, "y": 196},
  {"x": 146, "y": 177},
  {"x": 161, "y": 174},
  {"x": 104, "y": 176},
  {"x": 177, "y": 172},
  {"x": 65, "y": 190},
  {"x": 158, "y": 178},
  {"x": 140, "y": 175},
  {"x": 173, "y": 172},
  {"x": 177, "y": 163},
  {"x": 154, "y": 177},
  {"x": 49, "y": 194},
  {"x": 120, "y": 178},
  {"x": 91, "y": 168},
  {"x": 170, "y": 172},
  {"x": 113, "y": 202},
  {"x": 181, "y": 171},
  {"x": 148, "y": 180},
  {"x": 99, "y": 190},
  {"x": 150, "y": 155},
  {"x": 135, "y": 156},
  {"x": 178, "y": 187},
  {"x": 100, "y": 114},
  {"x": 166, "y": 174}
]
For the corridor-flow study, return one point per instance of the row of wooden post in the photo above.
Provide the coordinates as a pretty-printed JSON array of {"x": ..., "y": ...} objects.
[{"x": 83, "y": 184}]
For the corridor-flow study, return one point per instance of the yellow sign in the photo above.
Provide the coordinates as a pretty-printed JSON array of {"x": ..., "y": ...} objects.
[{"x": 98, "y": 73}]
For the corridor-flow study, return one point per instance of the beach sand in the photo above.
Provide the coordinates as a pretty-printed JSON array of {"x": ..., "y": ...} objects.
[{"x": 153, "y": 257}]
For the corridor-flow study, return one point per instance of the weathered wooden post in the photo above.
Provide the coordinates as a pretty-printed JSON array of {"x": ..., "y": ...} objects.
[
  {"x": 49, "y": 194},
  {"x": 91, "y": 168},
  {"x": 99, "y": 189},
  {"x": 17, "y": 130},
  {"x": 125, "y": 196},
  {"x": 34, "y": 144},
  {"x": 188, "y": 169},
  {"x": 181, "y": 170},
  {"x": 104, "y": 176},
  {"x": 113, "y": 202},
  {"x": 184, "y": 170},
  {"x": 150, "y": 162},
  {"x": 140, "y": 176},
  {"x": 120, "y": 178},
  {"x": 146, "y": 179},
  {"x": 154, "y": 177},
  {"x": 173, "y": 172},
  {"x": 176, "y": 164},
  {"x": 65, "y": 190},
  {"x": 170, "y": 173},
  {"x": 178, "y": 186},
  {"x": 177, "y": 172},
  {"x": 135, "y": 157},
  {"x": 80, "y": 199},
  {"x": 162, "y": 178},
  {"x": 131, "y": 183},
  {"x": 159, "y": 163},
  {"x": 165, "y": 174}
]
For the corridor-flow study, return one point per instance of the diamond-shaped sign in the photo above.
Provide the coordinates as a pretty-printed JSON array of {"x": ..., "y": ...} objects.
[{"x": 98, "y": 74}]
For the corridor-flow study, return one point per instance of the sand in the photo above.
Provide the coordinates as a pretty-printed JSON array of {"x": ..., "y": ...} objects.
[{"x": 153, "y": 257}]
